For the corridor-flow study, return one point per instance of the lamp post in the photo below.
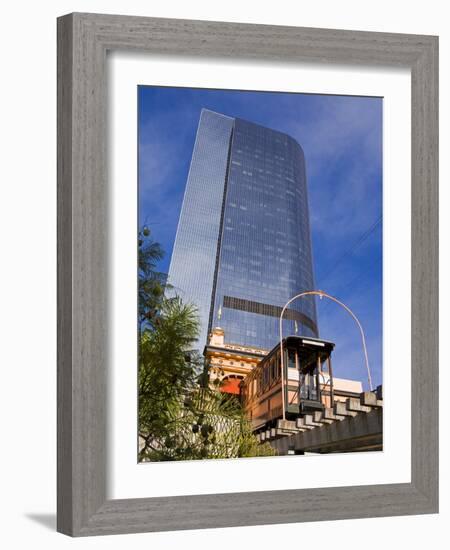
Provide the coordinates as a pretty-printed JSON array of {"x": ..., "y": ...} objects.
[{"x": 321, "y": 294}]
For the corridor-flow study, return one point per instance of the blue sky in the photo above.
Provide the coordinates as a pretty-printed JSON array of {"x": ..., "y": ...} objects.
[{"x": 342, "y": 140}]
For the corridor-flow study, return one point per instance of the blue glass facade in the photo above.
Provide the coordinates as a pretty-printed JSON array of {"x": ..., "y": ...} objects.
[
  {"x": 250, "y": 199},
  {"x": 193, "y": 263}
]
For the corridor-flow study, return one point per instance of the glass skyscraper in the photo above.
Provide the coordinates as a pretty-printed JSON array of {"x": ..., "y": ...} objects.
[{"x": 243, "y": 245}]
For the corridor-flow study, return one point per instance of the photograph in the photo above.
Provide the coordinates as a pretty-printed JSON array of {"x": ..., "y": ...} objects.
[
  {"x": 259, "y": 273},
  {"x": 230, "y": 219}
]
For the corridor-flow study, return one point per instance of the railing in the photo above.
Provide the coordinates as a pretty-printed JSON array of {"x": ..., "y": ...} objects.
[{"x": 321, "y": 294}]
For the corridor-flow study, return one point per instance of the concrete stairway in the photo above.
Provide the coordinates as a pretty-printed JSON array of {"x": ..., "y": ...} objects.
[{"x": 353, "y": 425}]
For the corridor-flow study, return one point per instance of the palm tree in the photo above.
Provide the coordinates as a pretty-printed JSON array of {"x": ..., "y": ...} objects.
[
  {"x": 181, "y": 415},
  {"x": 151, "y": 281},
  {"x": 166, "y": 371}
]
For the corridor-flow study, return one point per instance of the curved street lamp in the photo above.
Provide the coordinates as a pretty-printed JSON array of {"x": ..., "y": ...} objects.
[{"x": 321, "y": 294}]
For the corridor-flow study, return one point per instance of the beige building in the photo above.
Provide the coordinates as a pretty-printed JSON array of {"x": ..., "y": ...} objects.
[{"x": 230, "y": 363}]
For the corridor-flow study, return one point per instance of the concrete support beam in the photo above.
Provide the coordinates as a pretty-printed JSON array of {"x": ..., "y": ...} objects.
[
  {"x": 354, "y": 404},
  {"x": 319, "y": 417},
  {"x": 329, "y": 414},
  {"x": 308, "y": 418},
  {"x": 301, "y": 426},
  {"x": 369, "y": 399},
  {"x": 286, "y": 425},
  {"x": 342, "y": 410},
  {"x": 361, "y": 432}
]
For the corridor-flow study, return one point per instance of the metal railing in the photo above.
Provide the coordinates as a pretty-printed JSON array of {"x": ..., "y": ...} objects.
[{"x": 321, "y": 294}]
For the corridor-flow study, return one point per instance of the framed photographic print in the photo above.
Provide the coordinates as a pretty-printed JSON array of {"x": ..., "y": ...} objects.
[
  {"x": 239, "y": 241},
  {"x": 247, "y": 268}
]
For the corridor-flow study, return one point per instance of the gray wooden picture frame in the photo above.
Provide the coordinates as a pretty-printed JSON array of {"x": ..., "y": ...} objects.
[{"x": 83, "y": 41}]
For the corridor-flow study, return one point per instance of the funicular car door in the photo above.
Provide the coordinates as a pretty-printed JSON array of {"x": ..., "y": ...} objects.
[{"x": 309, "y": 366}]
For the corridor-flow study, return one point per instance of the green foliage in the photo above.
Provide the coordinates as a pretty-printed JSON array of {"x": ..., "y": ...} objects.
[
  {"x": 151, "y": 282},
  {"x": 166, "y": 371},
  {"x": 207, "y": 424},
  {"x": 181, "y": 415}
]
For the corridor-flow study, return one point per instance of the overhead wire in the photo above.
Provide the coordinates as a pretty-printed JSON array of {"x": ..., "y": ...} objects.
[
  {"x": 350, "y": 250},
  {"x": 348, "y": 253}
]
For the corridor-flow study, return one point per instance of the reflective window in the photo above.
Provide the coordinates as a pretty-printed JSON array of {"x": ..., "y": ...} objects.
[
  {"x": 252, "y": 180},
  {"x": 276, "y": 213}
]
